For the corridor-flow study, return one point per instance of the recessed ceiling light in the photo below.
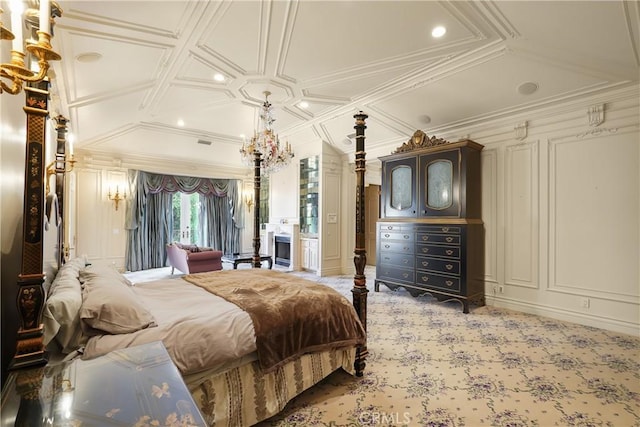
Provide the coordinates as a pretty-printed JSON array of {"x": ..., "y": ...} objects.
[
  {"x": 88, "y": 57},
  {"x": 438, "y": 31},
  {"x": 304, "y": 104},
  {"x": 180, "y": 122},
  {"x": 218, "y": 77},
  {"x": 527, "y": 88}
]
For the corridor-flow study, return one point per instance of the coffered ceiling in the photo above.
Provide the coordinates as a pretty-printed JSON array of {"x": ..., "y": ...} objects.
[{"x": 133, "y": 70}]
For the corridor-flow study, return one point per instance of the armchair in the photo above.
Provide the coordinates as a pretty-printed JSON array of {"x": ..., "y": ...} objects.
[{"x": 193, "y": 259}]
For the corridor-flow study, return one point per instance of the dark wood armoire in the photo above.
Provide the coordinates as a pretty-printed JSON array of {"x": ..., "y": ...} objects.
[{"x": 430, "y": 234}]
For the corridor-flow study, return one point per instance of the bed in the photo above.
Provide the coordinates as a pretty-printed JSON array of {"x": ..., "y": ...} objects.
[
  {"x": 261, "y": 352},
  {"x": 218, "y": 327}
]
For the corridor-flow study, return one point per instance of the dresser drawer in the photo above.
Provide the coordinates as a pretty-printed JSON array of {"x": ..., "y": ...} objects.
[
  {"x": 395, "y": 274},
  {"x": 441, "y": 251},
  {"x": 394, "y": 246},
  {"x": 452, "y": 239},
  {"x": 436, "y": 281},
  {"x": 392, "y": 235},
  {"x": 440, "y": 265},
  {"x": 397, "y": 259},
  {"x": 394, "y": 227},
  {"x": 447, "y": 229}
]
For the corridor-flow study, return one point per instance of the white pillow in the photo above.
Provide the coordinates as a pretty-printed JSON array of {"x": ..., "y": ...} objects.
[
  {"x": 61, "y": 314},
  {"x": 111, "y": 306}
]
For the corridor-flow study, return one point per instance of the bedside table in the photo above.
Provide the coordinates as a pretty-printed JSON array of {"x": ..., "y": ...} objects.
[{"x": 137, "y": 386}]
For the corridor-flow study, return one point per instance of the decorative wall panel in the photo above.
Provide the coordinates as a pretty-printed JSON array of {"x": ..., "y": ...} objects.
[
  {"x": 594, "y": 215},
  {"x": 521, "y": 233},
  {"x": 489, "y": 161}
]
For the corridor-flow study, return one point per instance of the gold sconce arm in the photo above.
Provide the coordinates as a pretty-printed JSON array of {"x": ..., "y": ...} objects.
[
  {"x": 117, "y": 197},
  {"x": 248, "y": 200},
  {"x": 15, "y": 70},
  {"x": 51, "y": 170}
]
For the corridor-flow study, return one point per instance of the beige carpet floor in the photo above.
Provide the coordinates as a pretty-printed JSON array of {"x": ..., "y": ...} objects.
[{"x": 431, "y": 365}]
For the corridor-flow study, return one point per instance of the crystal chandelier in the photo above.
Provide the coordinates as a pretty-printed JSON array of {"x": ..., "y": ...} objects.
[{"x": 266, "y": 143}]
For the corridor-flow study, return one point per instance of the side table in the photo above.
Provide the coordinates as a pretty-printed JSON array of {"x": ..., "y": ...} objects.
[
  {"x": 246, "y": 258},
  {"x": 136, "y": 386}
]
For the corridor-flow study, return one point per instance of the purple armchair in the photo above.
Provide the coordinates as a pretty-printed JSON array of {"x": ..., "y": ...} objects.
[{"x": 192, "y": 259}]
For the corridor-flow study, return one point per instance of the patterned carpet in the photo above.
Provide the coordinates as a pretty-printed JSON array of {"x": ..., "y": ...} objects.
[{"x": 430, "y": 365}]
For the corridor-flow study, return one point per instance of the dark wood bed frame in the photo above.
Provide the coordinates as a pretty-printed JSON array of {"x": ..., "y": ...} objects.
[{"x": 30, "y": 349}]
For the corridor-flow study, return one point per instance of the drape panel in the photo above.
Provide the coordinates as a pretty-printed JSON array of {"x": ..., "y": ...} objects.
[
  {"x": 218, "y": 229},
  {"x": 149, "y": 215}
]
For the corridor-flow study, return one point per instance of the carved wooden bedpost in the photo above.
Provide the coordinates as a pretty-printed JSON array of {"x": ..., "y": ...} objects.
[
  {"x": 30, "y": 349},
  {"x": 61, "y": 168},
  {"x": 360, "y": 290},
  {"x": 257, "y": 160}
]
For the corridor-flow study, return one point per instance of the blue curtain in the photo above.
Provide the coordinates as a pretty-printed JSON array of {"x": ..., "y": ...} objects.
[{"x": 149, "y": 215}]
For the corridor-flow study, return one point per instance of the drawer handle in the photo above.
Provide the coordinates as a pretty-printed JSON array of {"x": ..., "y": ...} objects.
[
  {"x": 448, "y": 282},
  {"x": 405, "y": 261},
  {"x": 387, "y": 246},
  {"x": 445, "y": 229},
  {"x": 425, "y": 278},
  {"x": 425, "y": 250},
  {"x": 389, "y": 227},
  {"x": 425, "y": 263},
  {"x": 449, "y": 266},
  {"x": 406, "y": 248},
  {"x": 406, "y": 236},
  {"x": 387, "y": 258},
  {"x": 425, "y": 237},
  {"x": 449, "y": 252},
  {"x": 449, "y": 239},
  {"x": 405, "y": 275},
  {"x": 387, "y": 235}
]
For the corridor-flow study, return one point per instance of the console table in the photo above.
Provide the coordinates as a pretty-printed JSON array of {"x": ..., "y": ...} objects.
[
  {"x": 135, "y": 386},
  {"x": 246, "y": 258}
]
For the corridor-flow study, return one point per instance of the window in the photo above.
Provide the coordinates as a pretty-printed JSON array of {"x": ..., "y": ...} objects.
[{"x": 186, "y": 224}]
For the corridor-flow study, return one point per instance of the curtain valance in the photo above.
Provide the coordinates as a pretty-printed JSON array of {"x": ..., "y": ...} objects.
[{"x": 154, "y": 183}]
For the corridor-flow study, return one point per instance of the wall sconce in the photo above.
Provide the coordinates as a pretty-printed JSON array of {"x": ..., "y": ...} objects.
[
  {"x": 39, "y": 25},
  {"x": 67, "y": 165},
  {"x": 248, "y": 200},
  {"x": 117, "y": 197}
]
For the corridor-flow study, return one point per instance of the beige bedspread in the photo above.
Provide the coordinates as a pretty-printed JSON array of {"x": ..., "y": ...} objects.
[
  {"x": 291, "y": 316},
  {"x": 200, "y": 330}
]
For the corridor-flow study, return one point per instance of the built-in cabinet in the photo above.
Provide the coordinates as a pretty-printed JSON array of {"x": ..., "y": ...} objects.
[
  {"x": 309, "y": 209},
  {"x": 431, "y": 235},
  {"x": 309, "y": 249}
]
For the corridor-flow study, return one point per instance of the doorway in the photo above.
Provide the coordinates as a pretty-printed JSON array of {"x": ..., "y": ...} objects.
[{"x": 186, "y": 221}]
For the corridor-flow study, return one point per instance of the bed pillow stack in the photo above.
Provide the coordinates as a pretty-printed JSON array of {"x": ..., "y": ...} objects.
[
  {"x": 61, "y": 314},
  {"x": 109, "y": 304}
]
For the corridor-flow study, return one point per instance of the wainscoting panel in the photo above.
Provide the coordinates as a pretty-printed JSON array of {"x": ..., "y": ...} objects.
[
  {"x": 594, "y": 236},
  {"x": 489, "y": 161},
  {"x": 90, "y": 207},
  {"x": 330, "y": 211},
  {"x": 521, "y": 228},
  {"x": 115, "y": 235}
]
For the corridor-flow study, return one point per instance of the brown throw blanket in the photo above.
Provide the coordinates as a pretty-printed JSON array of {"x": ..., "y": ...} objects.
[{"x": 291, "y": 316}]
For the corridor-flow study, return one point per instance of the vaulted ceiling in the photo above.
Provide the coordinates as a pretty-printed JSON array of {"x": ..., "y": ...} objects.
[{"x": 131, "y": 70}]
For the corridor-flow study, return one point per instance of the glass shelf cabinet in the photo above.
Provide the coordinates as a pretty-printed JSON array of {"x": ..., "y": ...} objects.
[{"x": 309, "y": 194}]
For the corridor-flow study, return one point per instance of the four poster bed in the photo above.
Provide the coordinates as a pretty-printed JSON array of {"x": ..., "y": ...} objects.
[{"x": 240, "y": 339}]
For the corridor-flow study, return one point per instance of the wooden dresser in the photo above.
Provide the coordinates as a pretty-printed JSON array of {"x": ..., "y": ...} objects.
[{"x": 431, "y": 235}]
